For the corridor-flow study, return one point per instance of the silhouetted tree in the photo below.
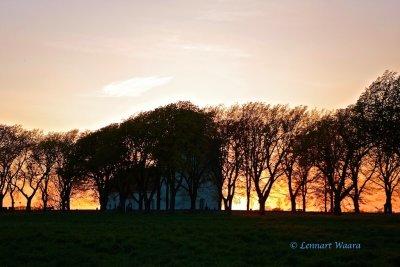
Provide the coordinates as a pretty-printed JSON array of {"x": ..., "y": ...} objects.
[
  {"x": 98, "y": 157},
  {"x": 139, "y": 145},
  {"x": 197, "y": 150},
  {"x": 362, "y": 174},
  {"x": 358, "y": 145},
  {"x": 11, "y": 189},
  {"x": 378, "y": 109},
  {"x": 296, "y": 122},
  {"x": 45, "y": 155},
  {"x": 298, "y": 164},
  {"x": 14, "y": 141},
  {"x": 34, "y": 169},
  {"x": 183, "y": 147},
  {"x": 230, "y": 130},
  {"x": 249, "y": 147},
  {"x": 166, "y": 123},
  {"x": 332, "y": 154},
  {"x": 388, "y": 173},
  {"x": 265, "y": 145},
  {"x": 67, "y": 173}
]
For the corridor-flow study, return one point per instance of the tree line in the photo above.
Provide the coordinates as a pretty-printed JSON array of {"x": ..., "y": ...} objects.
[{"x": 242, "y": 149}]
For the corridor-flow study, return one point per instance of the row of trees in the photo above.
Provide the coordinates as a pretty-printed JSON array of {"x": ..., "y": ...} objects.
[
  {"x": 243, "y": 149},
  {"x": 337, "y": 154},
  {"x": 176, "y": 144},
  {"x": 31, "y": 163}
]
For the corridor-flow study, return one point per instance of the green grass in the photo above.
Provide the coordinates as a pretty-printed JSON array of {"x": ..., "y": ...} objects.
[{"x": 200, "y": 239}]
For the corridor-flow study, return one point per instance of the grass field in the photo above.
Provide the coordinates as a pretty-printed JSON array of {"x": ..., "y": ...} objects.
[{"x": 94, "y": 238}]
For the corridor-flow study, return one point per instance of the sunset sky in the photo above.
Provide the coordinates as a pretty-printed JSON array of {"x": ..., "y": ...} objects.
[{"x": 83, "y": 64}]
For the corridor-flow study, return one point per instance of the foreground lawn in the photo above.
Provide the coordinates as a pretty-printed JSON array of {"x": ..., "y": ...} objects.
[{"x": 94, "y": 238}]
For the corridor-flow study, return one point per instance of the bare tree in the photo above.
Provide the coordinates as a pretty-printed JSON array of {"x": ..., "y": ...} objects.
[
  {"x": 67, "y": 177},
  {"x": 11, "y": 192},
  {"x": 32, "y": 172},
  {"x": 265, "y": 145},
  {"x": 378, "y": 110},
  {"x": 332, "y": 155},
  {"x": 45, "y": 155},
  {"x": 14, "y": 141},
  {"x": 362, "y": 170},
  {"x": 299, "y": 175},
  {"x": 358, "y": 146},
  {"x": 388, "y": 170},
  {"x": 230, "y": 129},
  {"x": 295, "y": 166}
]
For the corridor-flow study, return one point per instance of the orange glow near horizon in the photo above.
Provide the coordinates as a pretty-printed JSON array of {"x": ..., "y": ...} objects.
[{"x": 278, "y": 199}]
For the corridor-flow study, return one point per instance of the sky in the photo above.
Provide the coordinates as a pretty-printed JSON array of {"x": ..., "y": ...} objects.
[{"x": 84, "y": 64}]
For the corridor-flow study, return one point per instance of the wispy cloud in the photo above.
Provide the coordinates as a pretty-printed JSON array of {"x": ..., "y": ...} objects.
[{"x": 135, "y": 86}]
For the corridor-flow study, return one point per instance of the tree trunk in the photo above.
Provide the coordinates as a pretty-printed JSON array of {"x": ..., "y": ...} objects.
[
  {"x": 336, "y": 207},
  {"x": 193, "y": 202},
  {"x": 388, "y": 203},
  {"x": 356, "y": 203},
  {"x": 147, "y": 204},
  {"x": 44, "y": 200},
  {"x": 230, "y": 201},
  {"x": 159, "y": 197},
  {"x": 226, "y": 203},
  {"x": 293, "y": 203},
  {"x": 220, "y": 195},
  {"x": 65, "y": 199},
  {"x": 12, "y": 200},
  {"x": 166, "y": 197},
  {"x": 1, "y": 201},
  {"x": 122, "y": 202},
  {"x": 193, "y": 190},
  {"x": 103, "y": 201},
  {"x": 172, "y": 203},
  {"x": 63, "y": 205},
  {"x": 356, "y": 197},
  {"x": 262, "y": 204},
  {"x": 248, "y": 193},
  {"x": 172, "y": 200},
  {"x": 29, "y": 204},
  {"x": 140, "y": 201},
  {"x": 325, "y": 196},
  {"x": 291, "y": 195},
  {"x": 45, "y": 194},
  {"x": 248, "y": 201},
  {"x": 304, "y": 202}
]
